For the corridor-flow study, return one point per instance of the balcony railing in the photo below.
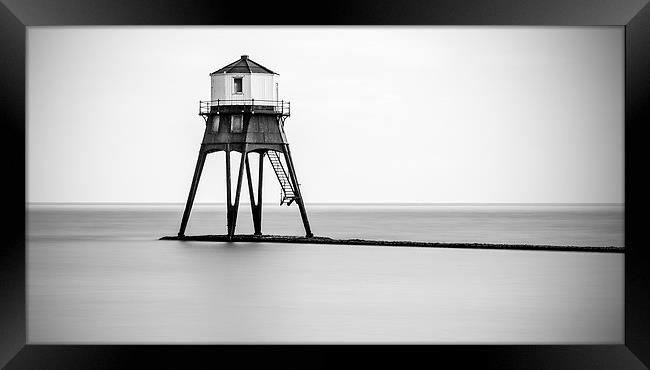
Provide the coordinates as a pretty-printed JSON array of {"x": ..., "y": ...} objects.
[{"x": 281, "y": 107}]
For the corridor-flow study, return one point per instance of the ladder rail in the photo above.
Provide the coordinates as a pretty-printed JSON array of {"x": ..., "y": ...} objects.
[{"x": 287, "y": 191}]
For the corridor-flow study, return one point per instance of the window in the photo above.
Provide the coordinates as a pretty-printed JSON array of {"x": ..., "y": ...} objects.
[
  {"x": 239, "y": 88},
  {"x": 215, "y": 124},
  {"x": 236, "y": 123}
]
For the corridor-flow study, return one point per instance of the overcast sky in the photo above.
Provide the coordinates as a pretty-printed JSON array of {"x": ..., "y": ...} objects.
[{"x": 379, "y": 114}]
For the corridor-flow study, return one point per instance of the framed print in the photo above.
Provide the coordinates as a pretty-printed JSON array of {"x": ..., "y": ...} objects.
[{"x": 203, "y": 181}]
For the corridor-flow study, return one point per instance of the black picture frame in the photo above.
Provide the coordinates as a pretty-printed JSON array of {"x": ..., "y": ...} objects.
[{"x": 16, "y": 15}]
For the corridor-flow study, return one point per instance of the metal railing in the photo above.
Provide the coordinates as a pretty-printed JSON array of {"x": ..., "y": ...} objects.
[{"x": 279, "y": 106}]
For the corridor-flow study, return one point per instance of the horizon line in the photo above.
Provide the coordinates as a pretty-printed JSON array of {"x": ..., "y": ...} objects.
[{"x": 347, "y": 203}]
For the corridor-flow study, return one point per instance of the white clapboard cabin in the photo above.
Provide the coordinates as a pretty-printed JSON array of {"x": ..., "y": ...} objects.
[{"x": 244, "y": 80}]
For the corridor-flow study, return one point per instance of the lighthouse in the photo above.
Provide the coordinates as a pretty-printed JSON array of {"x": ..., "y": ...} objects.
[{"x": 245, "y": 115}]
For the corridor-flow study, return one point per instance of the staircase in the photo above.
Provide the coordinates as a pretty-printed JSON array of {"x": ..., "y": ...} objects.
[{"x": 287, "y": 195}]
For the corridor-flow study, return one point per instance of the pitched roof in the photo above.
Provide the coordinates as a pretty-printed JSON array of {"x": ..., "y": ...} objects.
[{"x": 244, "y": 65}]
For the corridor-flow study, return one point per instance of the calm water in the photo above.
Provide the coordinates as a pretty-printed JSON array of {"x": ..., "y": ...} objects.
[{"x": 98, "y": 274}]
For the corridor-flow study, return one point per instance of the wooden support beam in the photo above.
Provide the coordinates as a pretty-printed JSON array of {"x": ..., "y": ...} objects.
[
  {"x": 251, "y": 193},
  {"x": 250, "y": 182},
  {"x": 294, "y": 179},
  {"x": 190, "y": 198},
  {"x": 228, "y": 192},
  {"x": 235, "y": 206},
  {"x": 260, "y": 177}
]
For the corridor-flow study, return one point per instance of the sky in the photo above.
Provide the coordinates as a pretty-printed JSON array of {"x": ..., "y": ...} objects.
[{"x": 378, "y": 114}]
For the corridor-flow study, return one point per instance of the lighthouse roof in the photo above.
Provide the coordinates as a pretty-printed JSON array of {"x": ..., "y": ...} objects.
[{"x": 244, "y": 65}]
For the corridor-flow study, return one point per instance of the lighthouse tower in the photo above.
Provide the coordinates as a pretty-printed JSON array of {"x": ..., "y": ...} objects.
[{"x": 245, "y": 115}]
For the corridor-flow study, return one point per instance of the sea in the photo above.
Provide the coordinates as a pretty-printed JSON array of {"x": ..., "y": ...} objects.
[{"x": 98, "y": 274}]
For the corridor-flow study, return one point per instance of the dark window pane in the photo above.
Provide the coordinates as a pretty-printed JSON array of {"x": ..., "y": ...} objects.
[
  {"x": 237, "y": 123},
  {"x": 238, "y": 85},
  {"x": 215, "y": 124}
]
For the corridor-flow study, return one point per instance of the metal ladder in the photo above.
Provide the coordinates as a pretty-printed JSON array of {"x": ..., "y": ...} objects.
[{"x": 287, "y": 194}]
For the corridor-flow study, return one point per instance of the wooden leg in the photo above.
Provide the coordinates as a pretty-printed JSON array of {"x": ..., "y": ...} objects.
[
  {"x": 259, "y": 193},
  {"x": 235, "y": 206},
  {"x": 228, "y": 192},
  {"x": 296, "y": 187},
  {"x": 251, "y": 193},
  {"x": 190, "y": 198}
]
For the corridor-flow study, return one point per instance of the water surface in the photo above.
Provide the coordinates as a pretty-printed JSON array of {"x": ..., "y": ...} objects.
[{"x": 98, "y": 274}]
